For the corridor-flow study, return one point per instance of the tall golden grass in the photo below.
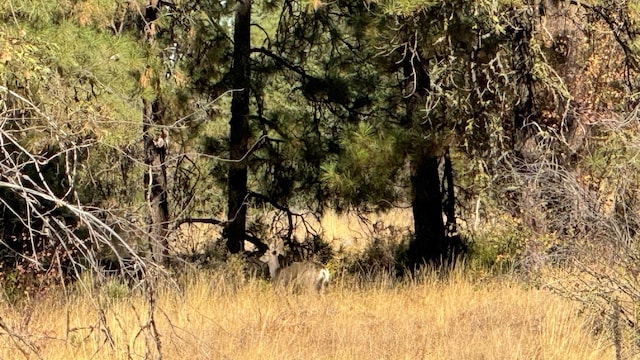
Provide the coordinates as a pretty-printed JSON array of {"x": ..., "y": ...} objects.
[{"x": 209, "y": 316}]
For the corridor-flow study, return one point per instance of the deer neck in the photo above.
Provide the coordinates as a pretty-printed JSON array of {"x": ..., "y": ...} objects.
[{"x": 274, "y": 266}]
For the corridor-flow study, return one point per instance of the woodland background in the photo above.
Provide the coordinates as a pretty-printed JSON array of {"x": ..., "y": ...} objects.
[{"x": 152, "y": 148}]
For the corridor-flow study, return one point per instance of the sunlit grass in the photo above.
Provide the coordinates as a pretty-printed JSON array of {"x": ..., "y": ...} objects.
[
  {"x": 346, "y": 233},
  {"x": 206, "y": 318},
  {"x": 207, "y": 314},
  {"x": 349, "y": 233}
]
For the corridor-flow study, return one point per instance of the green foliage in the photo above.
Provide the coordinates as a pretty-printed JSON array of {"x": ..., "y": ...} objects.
[
  {"x": 25, "y": 59},
  {"x": 114, "y": 290},
  {"x": 364, "y": 172},
  {"x": 498, "y": 250},
  {"x": 84, "y": 79},
  {"x": 102, "y": 74},
  {"x": 13, "y": 286},
  {"x": 38, "y": 12},
  {"x": 407, "y": 7},
  {"x": 385, "y": 254},
  {"x": 611, "y": 166},
  {"x": 204, "y": 30},
  {"x": 86, "y": 84},
  {"x": 25, "y": 281}
]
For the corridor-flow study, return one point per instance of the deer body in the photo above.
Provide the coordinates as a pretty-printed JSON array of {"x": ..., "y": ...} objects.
[{"x": 298, "y": 276}]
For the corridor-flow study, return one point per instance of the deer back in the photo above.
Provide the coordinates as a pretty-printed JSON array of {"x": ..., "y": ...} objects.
[{"x": 303, "y": 275}]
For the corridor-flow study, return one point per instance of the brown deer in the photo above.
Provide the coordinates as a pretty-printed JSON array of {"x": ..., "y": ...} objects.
[{"x": 299, "y": 276}]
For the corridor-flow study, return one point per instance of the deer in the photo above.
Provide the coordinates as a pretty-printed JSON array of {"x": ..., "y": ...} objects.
[{"x": 299, "y": 276}]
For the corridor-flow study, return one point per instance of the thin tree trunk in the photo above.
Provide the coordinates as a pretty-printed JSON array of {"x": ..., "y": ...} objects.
[
  {"x": 450, "y": 200},
  {"x": 155, "y": 152},
  {"x": 524, "y": 110},
  {"x": 155, "y": 179},
  {"x": 239, "y": 129}
]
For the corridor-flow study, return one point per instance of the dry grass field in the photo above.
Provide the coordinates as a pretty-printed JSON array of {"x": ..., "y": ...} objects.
[{"x": 205, "y": 316}]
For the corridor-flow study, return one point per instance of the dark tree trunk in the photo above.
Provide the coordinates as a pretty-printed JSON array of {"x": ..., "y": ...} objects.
[
  {"x": 239, "y": 129},
  {"x": 155, "y": 152},
  {"x": 524, "y": 110},
  {"x": 429, "y": 243},
  {"x": 155, "y": 179},
  {"x": 450, "y": 199}
]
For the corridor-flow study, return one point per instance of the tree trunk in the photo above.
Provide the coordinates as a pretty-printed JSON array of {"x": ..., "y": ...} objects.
[
  {"x": 429, "y": 243},
  {"x": 239, "y": 129},
  {"x": 450, "y": 199},
  {"x": 155, "y": 152},
  {"x": 524, "y": 111},
  {"x": 155, "y": 179}
]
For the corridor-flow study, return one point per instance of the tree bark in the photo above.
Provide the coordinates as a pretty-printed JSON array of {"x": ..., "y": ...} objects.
[
  {"x": 524, "y": 111},
  {"x": 239, "y": 129},
  {"x": 429, "y": 243},
  {"x": 451, "y": 228},
  {"x": 155, "y": 152},
  {"x": 155, "y": 179}
]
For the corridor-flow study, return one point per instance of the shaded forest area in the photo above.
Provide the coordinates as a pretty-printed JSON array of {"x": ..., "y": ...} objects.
[{"x": 508, "y": 128}]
